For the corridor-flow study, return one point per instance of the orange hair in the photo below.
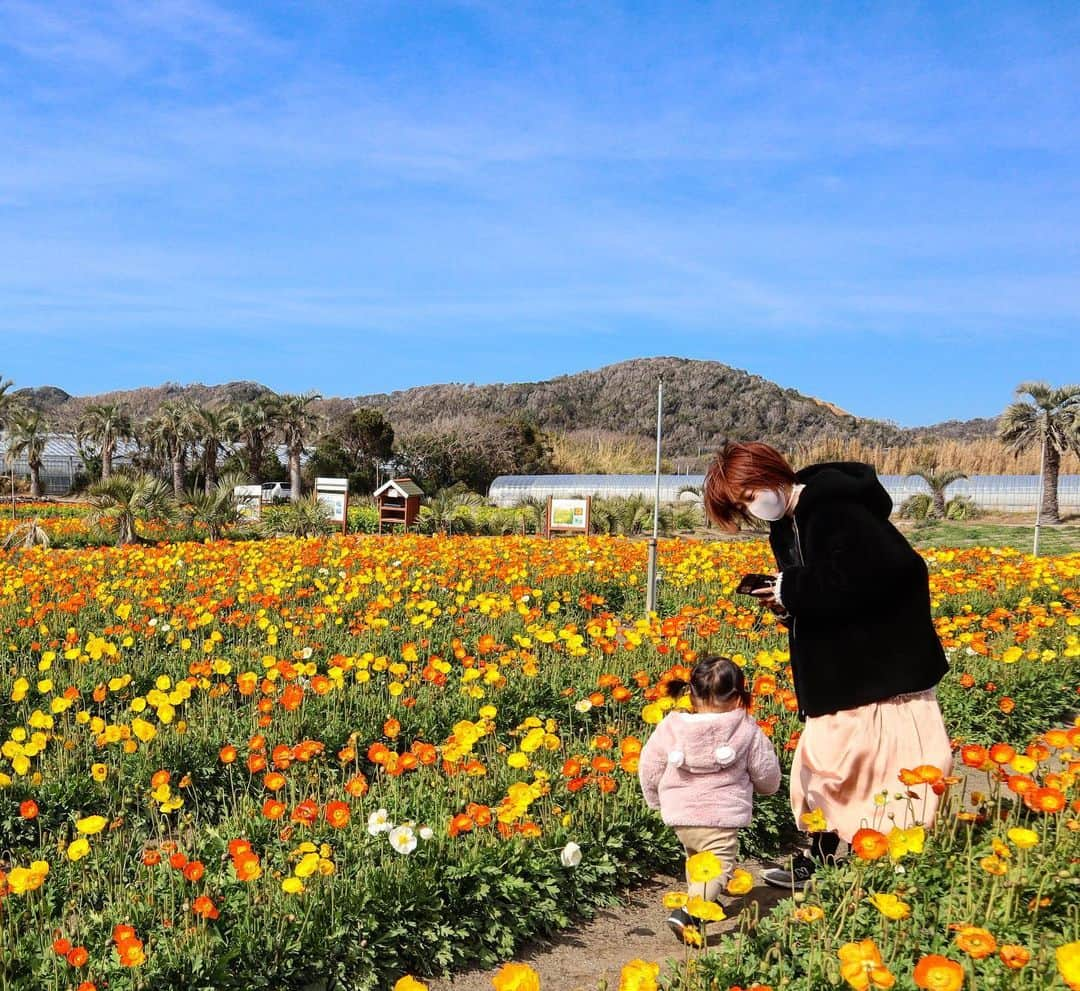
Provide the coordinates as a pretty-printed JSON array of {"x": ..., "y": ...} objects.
[{"x": 737, "y": 468}]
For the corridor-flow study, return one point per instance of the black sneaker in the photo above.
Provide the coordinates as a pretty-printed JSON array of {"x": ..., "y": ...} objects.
[
  {"x": 686, "y": 928},
  {"x": 795, "y": 879}
]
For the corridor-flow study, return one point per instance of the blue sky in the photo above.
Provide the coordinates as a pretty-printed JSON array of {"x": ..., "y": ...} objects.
[{"x": 878, "y": 204}]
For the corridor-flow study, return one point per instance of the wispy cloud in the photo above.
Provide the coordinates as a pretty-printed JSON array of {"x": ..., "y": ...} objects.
[{"x": 456, "y": 170}]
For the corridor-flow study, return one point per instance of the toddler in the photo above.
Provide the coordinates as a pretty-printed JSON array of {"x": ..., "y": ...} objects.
[{"x": 701, "y": 769}]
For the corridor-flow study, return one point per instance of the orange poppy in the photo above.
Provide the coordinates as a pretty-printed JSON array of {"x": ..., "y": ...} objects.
[
  {"x": 307, "y": 812},
  {"x": 976, "y": 942},
  {"x": 461, "y": 823},
  {"x": 1014, "y": 957},
  {"x": 78, "y": 956},
  {"x": 869, "y": 844},
  {"x": 1045, "y": 800},
  {"x": 1002, "y": 753},
  {"x": 938, "y": 973},
  {"x": 247, "y": 867},
  {"x": 357, "y": 786},
  {"x": 973, "y": 755},
  {"x": 204, "y": 908},
  {"x": 337, "y": 814},
  {"x": 273, "y": 809}
]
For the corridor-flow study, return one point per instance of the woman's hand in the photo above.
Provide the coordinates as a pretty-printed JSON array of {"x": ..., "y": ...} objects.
[{"x": 767, "y": 597}]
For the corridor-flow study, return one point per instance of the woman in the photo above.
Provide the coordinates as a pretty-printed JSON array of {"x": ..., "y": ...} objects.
[{"x": 865, "y": 656}]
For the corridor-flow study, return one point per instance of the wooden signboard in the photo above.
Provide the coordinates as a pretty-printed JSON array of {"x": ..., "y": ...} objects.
[
  {"x": 568, "y": 515},
  {"x": 333, "y": 493}
]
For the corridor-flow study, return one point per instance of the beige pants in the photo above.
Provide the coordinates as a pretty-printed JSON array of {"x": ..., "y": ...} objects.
[{"x": 724, "y": 842}]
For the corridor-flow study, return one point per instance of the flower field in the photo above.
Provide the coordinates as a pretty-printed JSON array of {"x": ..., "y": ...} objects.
[{"x": 262, "y": 764}]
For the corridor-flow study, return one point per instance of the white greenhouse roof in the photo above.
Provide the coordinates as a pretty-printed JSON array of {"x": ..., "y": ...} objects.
[{"x": 1007, "y": 493}]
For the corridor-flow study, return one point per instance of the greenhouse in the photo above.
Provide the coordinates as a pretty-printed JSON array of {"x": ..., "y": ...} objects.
[{"x": 993, "y": 493}]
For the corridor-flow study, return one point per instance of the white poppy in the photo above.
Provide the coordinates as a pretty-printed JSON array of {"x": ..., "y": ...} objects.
[
  {"x": 570, "y": 855},
  {"x": 379, "y": 822},
  {"x": 403, "y": 839},
  {"x": 583, "y": 705},
  {"x": 426, "y": 832}
]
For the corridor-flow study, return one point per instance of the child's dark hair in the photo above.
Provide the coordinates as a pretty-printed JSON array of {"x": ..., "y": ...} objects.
[{"x": 713, "y": 680}]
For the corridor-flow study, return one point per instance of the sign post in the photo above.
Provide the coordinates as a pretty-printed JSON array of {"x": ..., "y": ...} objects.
[
  {"x": 568, "y": 515},
  {"x": 333, "y": 493},
  {"x": 650, "y": 591}
]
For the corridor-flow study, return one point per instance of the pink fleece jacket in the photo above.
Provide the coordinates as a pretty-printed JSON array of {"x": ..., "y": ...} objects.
[{"x": 702, "y": 769}]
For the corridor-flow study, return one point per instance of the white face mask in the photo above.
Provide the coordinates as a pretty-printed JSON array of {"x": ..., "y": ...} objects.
[{"x": 768, "y": 504}]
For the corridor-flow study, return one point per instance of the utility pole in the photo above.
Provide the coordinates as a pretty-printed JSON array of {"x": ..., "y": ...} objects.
[
  {"x": 1042, "y": 483},
  {"x": 650, "y": 592}
]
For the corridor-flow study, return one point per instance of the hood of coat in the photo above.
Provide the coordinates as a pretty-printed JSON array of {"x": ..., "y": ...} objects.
[
  {"x": 705, "y": 742},
  {"x": 849, "y": 481}
]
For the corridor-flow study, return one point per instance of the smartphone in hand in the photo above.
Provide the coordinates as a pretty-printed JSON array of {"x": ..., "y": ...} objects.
[{"x": 755, "y": 583}]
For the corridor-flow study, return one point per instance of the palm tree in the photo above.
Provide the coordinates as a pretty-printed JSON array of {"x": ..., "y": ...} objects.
[
  {"x": 5, "y": 399},
  {"x": 210, "y": 430},
  {"x": 938, "y": 481},
  {"x": 253, "y": 424},
  {"x": 5, "y": 402},
  {"x": 447, "y": 511},
  {"x": 125, "y": 500},
  {"x": 29, "y": 432},
  {"x": 105, "y": 424},
  {"x": 298, "y": 424},
  {"x": 215, "y": 510},
  {"x": 27, "y": 535},
  {"x": 170, "y": 427},
  {"x": 1050, "y": 419}
]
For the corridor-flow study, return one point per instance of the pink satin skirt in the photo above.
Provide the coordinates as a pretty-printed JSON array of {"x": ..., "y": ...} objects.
[{"x": 848, "y": 764}]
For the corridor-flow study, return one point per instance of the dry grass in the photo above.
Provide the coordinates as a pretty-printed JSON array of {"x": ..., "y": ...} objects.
[
  {"x": 586, "y": 452},
  {"x": 985, "y": 456}
]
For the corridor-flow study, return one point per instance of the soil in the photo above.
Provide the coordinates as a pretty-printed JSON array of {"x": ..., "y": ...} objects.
[{"x": 591, "y": 955}]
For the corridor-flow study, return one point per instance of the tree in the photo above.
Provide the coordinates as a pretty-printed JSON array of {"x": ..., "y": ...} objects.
[
  {"x": 474, "y": 451},
  {"x": 215, "y": 510},
  {"x": 253, "y": 424},
  {"x": 105, "y": 424},
  {"x": 171, "y": 428},
  {"x": 1050, "y": 419},
  {"x": 125, "y": 500},
  {"x": 28, "y": 432},
  {"x": 26, "y": 535},
  {"x": 939, "y": 481},
  {"x": 355, "y": 449},
  {"x": 298, "y": 423},
  {"x": 210, "y": 430},
  {"x": 6, "y": 400}
]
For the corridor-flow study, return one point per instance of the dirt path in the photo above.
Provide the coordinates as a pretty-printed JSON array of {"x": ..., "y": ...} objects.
[{"x": 581, "y": 958}]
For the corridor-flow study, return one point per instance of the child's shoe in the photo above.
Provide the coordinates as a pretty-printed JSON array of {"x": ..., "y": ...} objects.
[
  {"x": 795, "y": 879},
  {"x": 686, "y": 928}
]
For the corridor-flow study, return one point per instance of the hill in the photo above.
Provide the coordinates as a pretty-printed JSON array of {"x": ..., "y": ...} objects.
[{"x": 704, "y": 402}]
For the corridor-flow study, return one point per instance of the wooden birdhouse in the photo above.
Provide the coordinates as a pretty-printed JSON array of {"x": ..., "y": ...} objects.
[{"x": 399, "y": 503}]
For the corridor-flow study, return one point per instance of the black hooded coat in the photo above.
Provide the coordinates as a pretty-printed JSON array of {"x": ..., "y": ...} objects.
[{"x": 857, "y": 592}]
